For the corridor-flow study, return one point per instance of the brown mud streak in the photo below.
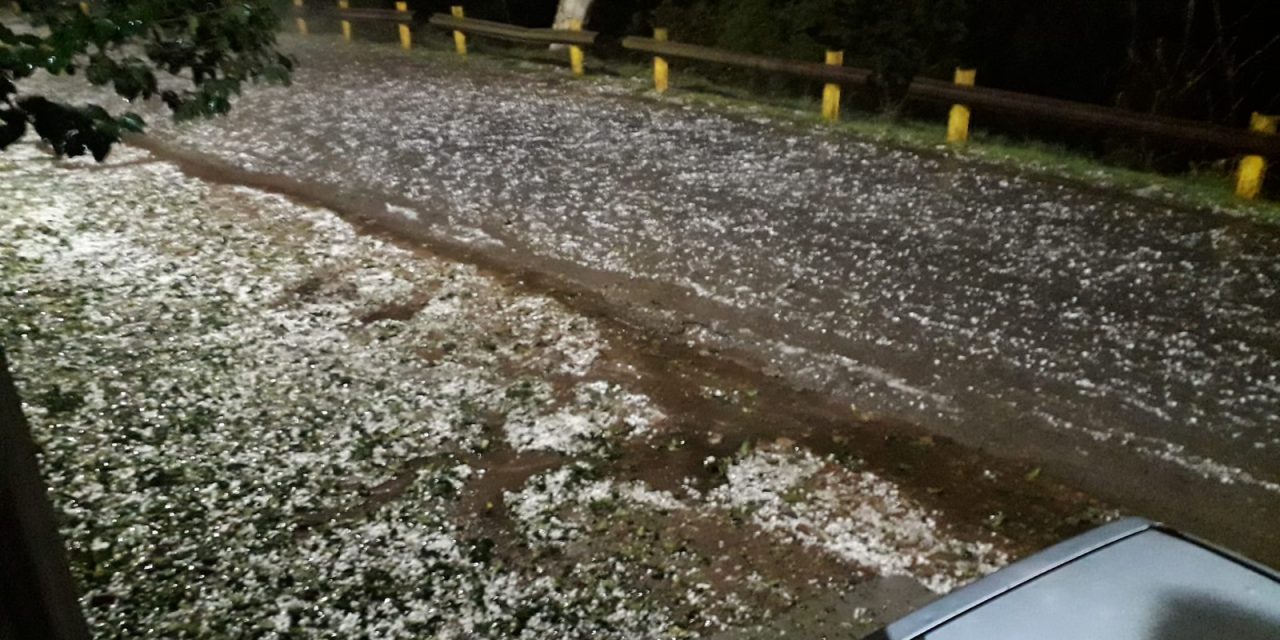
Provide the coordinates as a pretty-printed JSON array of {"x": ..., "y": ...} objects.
[
  {"x": 938, "y": 473},
  {"x": 481, "y": 510},
  {"x": 399, "y": 311}
]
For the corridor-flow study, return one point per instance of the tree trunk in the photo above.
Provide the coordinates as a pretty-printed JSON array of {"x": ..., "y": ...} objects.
[
  {"x": 39, "y": 595},
  {"x": 569, "y": 10}
]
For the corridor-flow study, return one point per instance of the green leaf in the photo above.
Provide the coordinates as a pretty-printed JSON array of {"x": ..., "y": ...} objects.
[
  {"x": 131, "y": 122},
  {"x": 13, "y": 124},
  {"x": 95, "y": 112},
  {"x": 217, "y": 46},
  {"x": 100, "y": 70}
]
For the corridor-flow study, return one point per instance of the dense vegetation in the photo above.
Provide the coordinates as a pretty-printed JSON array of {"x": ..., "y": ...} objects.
[
  {"x": 193, "y": 54},
  {"x": 1213, "y": 60}
]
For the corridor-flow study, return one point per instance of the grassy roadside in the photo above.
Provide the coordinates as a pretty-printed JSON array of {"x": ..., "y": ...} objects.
[{"x": 1211, "y": 190}]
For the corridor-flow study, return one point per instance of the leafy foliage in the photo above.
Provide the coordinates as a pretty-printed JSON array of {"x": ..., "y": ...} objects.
[
  {"x": 202, "y": 51},
  {"x": 896, "y": 40}
]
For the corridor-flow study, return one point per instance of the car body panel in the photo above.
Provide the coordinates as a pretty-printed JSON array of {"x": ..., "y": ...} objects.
[{"x": 1129, "y": 580}]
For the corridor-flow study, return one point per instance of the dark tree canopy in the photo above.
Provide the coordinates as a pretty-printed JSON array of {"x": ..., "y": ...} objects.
[
  {"x": 210, "y": 48},
  {"x": 1216, "y": 60}
]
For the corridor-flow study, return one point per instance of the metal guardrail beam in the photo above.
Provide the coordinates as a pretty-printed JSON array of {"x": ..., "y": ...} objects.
[
  {"x": 381, "y": 15},
  {"x": 357, "y": 13},
  {"x": 995, "y": 100},
  {"x": 1091, "y": 116},
  {"x": 809, "y": 70},
  {"x": 503, "y": 31}
]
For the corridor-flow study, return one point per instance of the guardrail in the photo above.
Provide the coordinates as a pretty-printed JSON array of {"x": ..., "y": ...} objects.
[
  {"x": 1255, "y": 143},
  {"x": 345, "y": 14},
  {"x": 378, "y": 15},
  {"x": 574, "y": 36},
  {"x": 995, "y": 100},
  {"x": 513, "y": 33}
]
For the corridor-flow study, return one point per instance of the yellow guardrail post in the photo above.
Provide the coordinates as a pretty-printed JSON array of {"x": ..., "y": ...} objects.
[
  {"x": 459, "y": 38},
  {"x": 831, "y": 91},
  {"x": 575, "y": 52},
  {"x": 958, "y": 122},
  {"x": 661, "y": 73},
  {"x": 343, "y": 5},
  {"x": 406, "y": 36},
  {"x": 1254, "y": 168},
  {"x": 302, "y": 24}
]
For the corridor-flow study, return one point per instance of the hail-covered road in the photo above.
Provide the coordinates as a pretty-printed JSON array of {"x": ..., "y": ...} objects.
[{"x": 1130, "y": 348}]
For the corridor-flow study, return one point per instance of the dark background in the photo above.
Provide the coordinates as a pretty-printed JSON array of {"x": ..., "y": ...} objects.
[
  {"x": 1203, "y": 59},
  {"x": 1206, "y": 60}
]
